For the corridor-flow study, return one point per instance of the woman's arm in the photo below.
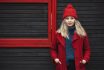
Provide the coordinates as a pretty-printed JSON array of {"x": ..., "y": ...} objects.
[
  {"x": 87, "y": 50},
  {"x": 53, "y": 48}
]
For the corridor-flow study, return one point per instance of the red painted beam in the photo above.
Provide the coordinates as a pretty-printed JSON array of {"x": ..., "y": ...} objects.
[
  {"x": 23, "y": 42},
  {"x": 53, "y": 19},
  {"x": 24, "y": 1}
]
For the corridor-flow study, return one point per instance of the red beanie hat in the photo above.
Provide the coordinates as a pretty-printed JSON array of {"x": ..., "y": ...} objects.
[{"x": 70, "y": 11}]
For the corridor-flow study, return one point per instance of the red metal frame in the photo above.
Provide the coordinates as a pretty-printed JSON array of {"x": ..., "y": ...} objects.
[{"x": 33, "y": 42}]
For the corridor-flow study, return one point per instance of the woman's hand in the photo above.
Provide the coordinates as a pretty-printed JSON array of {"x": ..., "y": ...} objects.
[
  {"x": 83, "y": 61},
  {"x": 57, "y": 60}
]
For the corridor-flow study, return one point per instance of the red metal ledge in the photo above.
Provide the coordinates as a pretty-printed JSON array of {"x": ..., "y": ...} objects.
[
  {"x": 23, "y": 42},
  {"x": 24, "y": 1}
]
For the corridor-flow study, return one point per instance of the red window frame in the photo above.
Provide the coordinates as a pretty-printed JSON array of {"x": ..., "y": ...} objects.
[{"x": 33, "y": 42}]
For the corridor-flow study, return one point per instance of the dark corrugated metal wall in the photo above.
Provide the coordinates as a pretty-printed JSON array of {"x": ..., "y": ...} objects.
[
  {"x": 23, "y": 20},
  {"x": 91, "y": 16},
  {"x": 25, "y": 59}
]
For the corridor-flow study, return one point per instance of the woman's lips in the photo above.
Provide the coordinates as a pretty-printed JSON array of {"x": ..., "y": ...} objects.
[{"x": 69, "y": 23}]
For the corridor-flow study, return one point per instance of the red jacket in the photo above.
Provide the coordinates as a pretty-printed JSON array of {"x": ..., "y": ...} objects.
[{"x": 79, "y": 44}]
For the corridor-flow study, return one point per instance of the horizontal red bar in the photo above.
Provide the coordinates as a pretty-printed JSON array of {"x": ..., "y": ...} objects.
[
  {"x": 24, "y": 1},
  {"x": 23, "y": 42}
]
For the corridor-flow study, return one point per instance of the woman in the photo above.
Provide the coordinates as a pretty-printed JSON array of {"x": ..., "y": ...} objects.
[{"x": 70, "y": 48}]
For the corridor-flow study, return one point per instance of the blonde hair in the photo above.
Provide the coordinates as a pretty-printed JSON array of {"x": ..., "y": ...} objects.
[{"x": 64, "y": 29}]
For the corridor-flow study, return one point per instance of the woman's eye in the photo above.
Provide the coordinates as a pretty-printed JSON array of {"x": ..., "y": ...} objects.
[
  {"x": 71, "y": 17},
  {"x": 67, "y": 18}
]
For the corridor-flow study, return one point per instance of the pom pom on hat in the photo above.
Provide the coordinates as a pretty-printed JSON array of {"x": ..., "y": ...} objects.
[
  {"x": 70, "y": 11},
  {"x": 69, "y": 6}
]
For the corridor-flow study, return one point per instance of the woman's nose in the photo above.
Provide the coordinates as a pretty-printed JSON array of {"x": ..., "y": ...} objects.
[{"x": 69, "y": 20}]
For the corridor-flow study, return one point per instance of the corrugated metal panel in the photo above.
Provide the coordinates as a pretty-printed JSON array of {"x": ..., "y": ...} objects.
[
  {"x": 90, "y": 13},
  {"x": 25, "y": 59},
  {"x": 23, "y": 20}
]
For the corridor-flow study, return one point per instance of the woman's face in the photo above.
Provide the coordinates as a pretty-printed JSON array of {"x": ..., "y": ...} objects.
[{"x": 69, "y": 21}]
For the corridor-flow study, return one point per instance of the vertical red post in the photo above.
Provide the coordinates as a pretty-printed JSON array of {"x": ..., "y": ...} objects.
[{"x": 53, "y": 18}]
